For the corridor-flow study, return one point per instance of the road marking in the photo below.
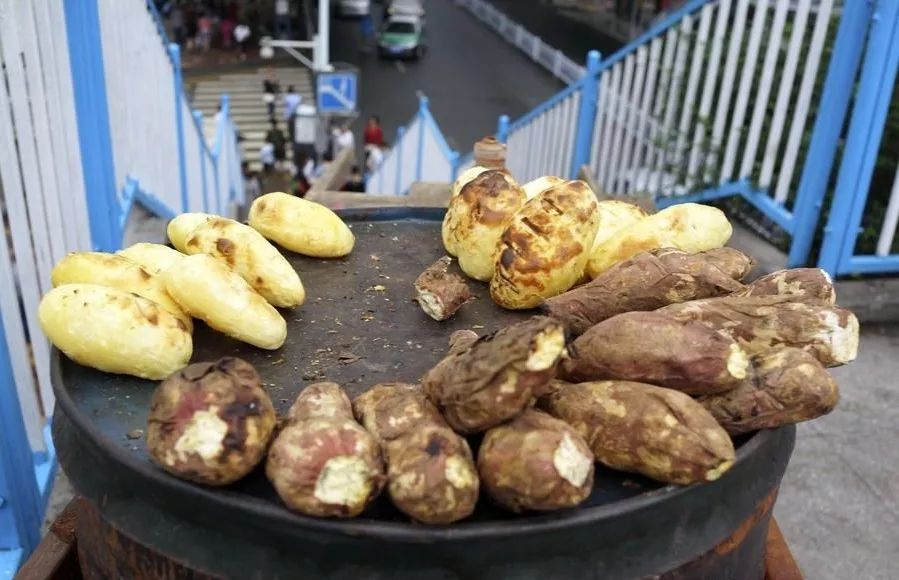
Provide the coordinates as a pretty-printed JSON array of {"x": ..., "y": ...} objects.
[{"x": 400, "y": 66}]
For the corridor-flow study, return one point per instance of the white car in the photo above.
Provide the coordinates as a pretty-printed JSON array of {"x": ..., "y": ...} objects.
[
  {"x": 354, "y": 7},
  {"x": 406, "y": 8}
]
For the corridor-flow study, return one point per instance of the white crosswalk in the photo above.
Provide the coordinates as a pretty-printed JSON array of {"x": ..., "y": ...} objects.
[{"x": 247, "y": 107}]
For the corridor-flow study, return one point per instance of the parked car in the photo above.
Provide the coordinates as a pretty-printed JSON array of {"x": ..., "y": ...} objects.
[
  {"x": 401, "y": 36},
  {"x": 354, "y": 7},
  {"x": 406, "y": 7}
]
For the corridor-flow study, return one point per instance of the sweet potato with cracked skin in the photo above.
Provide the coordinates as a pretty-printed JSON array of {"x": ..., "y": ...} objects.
[
  {"x": 461, "y": 339},
  {"x": 731, "y": 261},
  {"x": 431, "y": 475},
  {"x": 651, "y": 347},
  {"x": 759, "y": 323},
  {"x": 254, "y": 258},
  {"x": 790, "y": 386},
  {"x": 323, "y": 463},
  {"x": 661, "y": 433},
  {"x": 645, "y": 282},
  {"x": 496, "y": 377},
  {"x": 535, "y": 462},
  {"x": 210, "y": 422},
  {"x": 441, "y": 293},
  {"x": 689, "y": 227},
  {"x": 801, "y": 284},
  {"x": 543, "y": 250},
  {"x": 475, "y": 220}
]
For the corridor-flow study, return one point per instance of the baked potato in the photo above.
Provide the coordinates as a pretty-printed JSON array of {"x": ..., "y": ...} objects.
[
  {"x": 476, "y": 218},
  {"x": 209, "y": 290},
  {"x": 467, "y": 176},
  {"x": 114, "y": 331},
  {"x": 537, "y": 186},
  {"x": 614, "y": 216},
  {"x": 154, "y": 258},
  {"x": 690, "y": 227},
  {"x": 543, "y": 250},
  {"x": 301, "y": 226},
  {"x": 181, "y": 226},
  {"x": 249, "y": 254}
]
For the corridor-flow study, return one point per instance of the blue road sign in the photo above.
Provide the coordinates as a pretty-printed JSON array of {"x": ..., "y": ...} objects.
[{"x": 336, "y": 92}]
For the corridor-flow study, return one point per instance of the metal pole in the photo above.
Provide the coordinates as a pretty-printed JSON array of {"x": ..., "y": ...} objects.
[
  {"x": 583, "y": 137},
  {"x": 322, "y": 56}
]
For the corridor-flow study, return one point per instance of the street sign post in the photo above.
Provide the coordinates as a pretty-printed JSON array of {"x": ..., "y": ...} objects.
[{"x": 337, "y": 92}]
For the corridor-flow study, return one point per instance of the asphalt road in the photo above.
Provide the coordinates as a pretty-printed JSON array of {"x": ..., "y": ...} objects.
[{"x": 470, "y": 75}]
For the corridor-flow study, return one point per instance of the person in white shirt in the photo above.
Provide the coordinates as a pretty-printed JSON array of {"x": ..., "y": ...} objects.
[
  {"x": 374, "y": 155},
  {"x": 267, "y": 156},
  {"x": 242, "y": 35},
  {"x": 344, "y": 140}
]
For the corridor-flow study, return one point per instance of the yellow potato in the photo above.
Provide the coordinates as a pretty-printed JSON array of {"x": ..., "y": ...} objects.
[
  {"x": 545, "y": 247},
  {"x": 115, "y": 272},
  {"x": 465, "y": 177},
  {"x": 114, "y": 331},
  {"x": 212, "y": 292},
  {"x": 180, "y": 227},
  {"x": 476, "y": 218},
  {"x": 250, "y": 255},
  {"x": 689, "y": 227},
  {"x": 301, "y": 226},
  {"x": 537, "y": 186},
  {"x": 154, "y": 258}
]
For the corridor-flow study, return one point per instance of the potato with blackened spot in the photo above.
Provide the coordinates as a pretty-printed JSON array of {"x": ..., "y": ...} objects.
[
  {"x": 154, "y": 258},
  {"x": 661, "y": 433},
  {"x": 476, "y": 218},
  {"x": 790, "y": 386},
  {"x": 249, "y": 254},
  {"x": 800, "y": 284},
  {"x": 537, "y": 186},
  {"x": 439, "y": 292},
  {"x": 465, "y": 177},
  {"x": 482, "y": 383},
  {"x": 210, "y": 422},
  {"x": 543, "y": 250},
  {"x": 323, "y": 463},
  {"x": 535, "y": 462},
  {"x": 651, "y": 347},
  {"x": 301, "y": 226},
  {"x": 180, "y": 227},
  {"x": 116, "y": 272},
  {"x": 207, "y": 289},
  {"x": 760, "y": 323},
  {"x": 647, "y": 281},
  {"x": 114, "y": 331},
  {"x": 689, "y": 227}
]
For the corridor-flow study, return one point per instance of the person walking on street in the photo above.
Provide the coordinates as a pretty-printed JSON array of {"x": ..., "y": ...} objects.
[
  {"x": 269, "y": 94},
  {"x": 292, "y": 101},
  {"x": 345, "y": 140},
  {"x": 374, "y": 134},
  {"x": 267, "y": 157},
  {"x": 242, "y": 36},
  {"x": 276, "y": 137}
]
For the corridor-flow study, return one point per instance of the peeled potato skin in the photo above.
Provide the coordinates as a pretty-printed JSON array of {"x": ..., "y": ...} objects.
[
  {"x": 154, "y": 258},
  {"x": 249, "y": 254},
  {"x": 476, "y": 218},
  {"x": 301, "y": 226},
  {"x": 544, "y": 248},
  {"x": 114, "y": 331},
  {"x": 116, "y": 272},
  {"x": 181, "y": 226},
  {"x": 690, "y": 227},
  {"x": 210, "y": 291}
]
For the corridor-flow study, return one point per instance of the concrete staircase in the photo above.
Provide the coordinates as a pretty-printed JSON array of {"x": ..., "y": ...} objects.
[{"x": 247, "y": 108}]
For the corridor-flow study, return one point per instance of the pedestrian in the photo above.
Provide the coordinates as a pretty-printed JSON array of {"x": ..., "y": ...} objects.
[
  {"x": 267, "y": 157},
  {"x": 269, "y": 93},
  {"x": 242, "y": 36},
  {"x": 367, "y": 27},
  {"x": 356, "y": 182},
  {"x": 252, "y": 185},
  {"x": 374, "y": 134},
  {"x": 226, "y": 28},
  {"x": 276, "y": 137},
  {"x": 292, "y": 101},
  {"x": 374, "y": 156},
  {"x": 190, "y": 25},
  {"x": 345, "y": 140},
  {"x": 176, "y": 17}
]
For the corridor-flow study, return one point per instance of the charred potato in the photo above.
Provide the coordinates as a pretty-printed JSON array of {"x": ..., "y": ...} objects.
[
  {"x": 207, "y": 289},
  {"x": 249, "y": 254},
  {"x": 114, "y": 331},
  {"x": 154, "y": 258},
  {"x": 476, "y": 218},
  {"x": 535, "y": 462},
  {"x": 210, "y": 422},
  {"x": 537, "y": 186},
  {"x": 661, "y": 433},
  {"x": 180, "y": 227},
  {"x": 543, "y": 250},
  {"x": 465, "y": 177},
  {"x": 301, "y": 226}
]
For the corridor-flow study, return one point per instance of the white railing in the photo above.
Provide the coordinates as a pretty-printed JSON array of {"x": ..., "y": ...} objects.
[
  {"x": 420, "y": 153},
  {"x": 547, "y": 56},
  {"x": 542, "y": 142}
]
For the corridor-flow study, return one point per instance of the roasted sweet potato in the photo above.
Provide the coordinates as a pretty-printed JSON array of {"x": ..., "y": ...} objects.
[
  {"x": 441, "y": 293},
  {"x": 651, "y": 347},
  {"x": 645, "y": 282},
  {"x": 661, "y": 433},
  {"x": 759, "y": 323},
  {"x": 211, "y": 422},
  {"x": 790, "y": 386},
  {"x": 323, "y": 463},
  {"x": 800, "y": 284},
  {"x": 535, "y": 462},
  {"x": 431, "y": 475},
  {"x": 496, "y": 377},
  {"x": 543, "y": 250},
  {"x": 475, "y": 220},
  {"x": 731, "y": 261}
]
